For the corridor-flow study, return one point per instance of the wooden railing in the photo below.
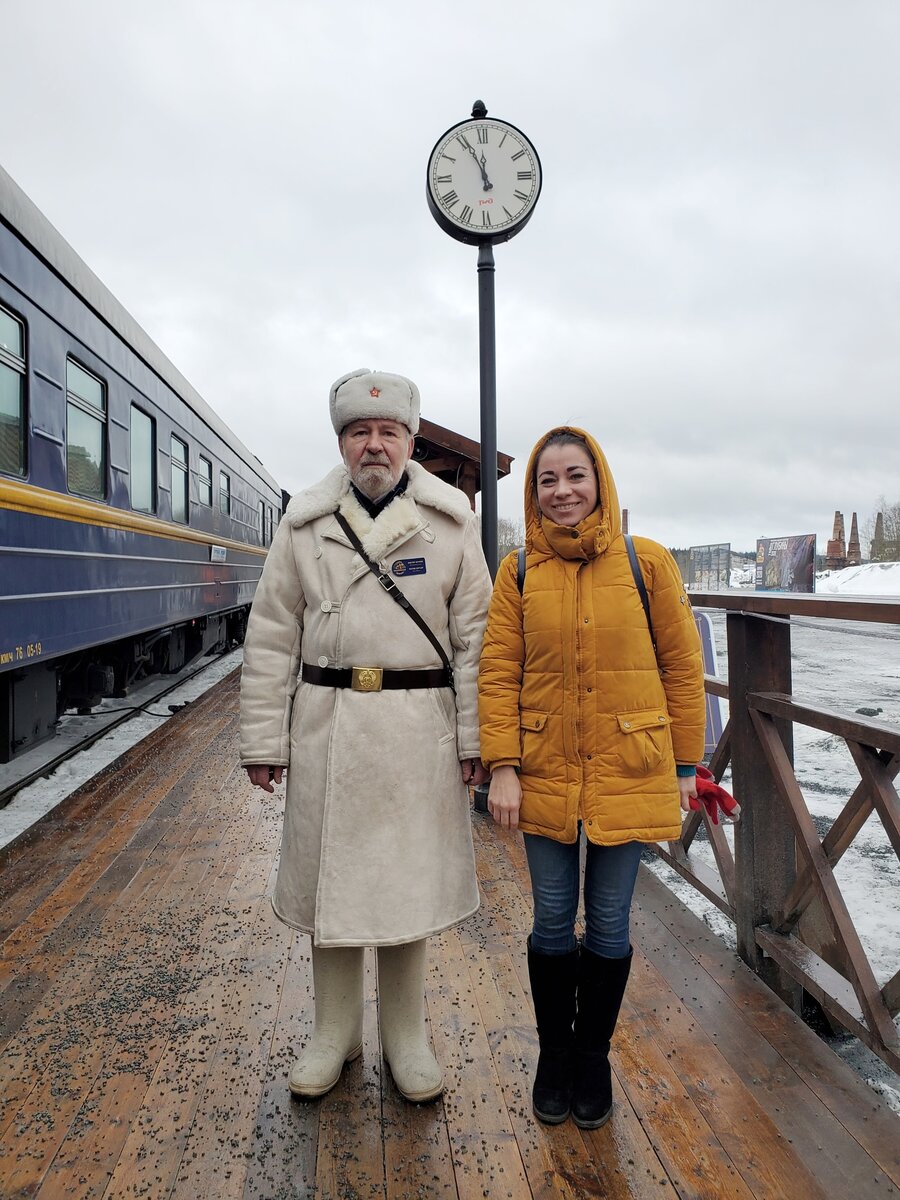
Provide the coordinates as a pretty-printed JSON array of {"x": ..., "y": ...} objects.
[{"x": 792, "y": 923}]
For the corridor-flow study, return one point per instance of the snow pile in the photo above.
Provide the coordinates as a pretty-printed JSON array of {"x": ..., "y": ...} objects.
[{"x": 869, "y": 579}]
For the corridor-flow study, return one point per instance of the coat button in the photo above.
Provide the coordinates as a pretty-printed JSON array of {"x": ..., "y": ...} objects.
[
  {"x": 661, "y": 717},
  {"x": 322, "y": 660},
  {"x": 318, "y": 552},
  {"x": 626, "y": 724},
  {"x": 326, "y": 606}
]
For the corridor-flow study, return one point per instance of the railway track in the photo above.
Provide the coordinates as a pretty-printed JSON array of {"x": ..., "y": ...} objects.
[{"x": 14, "y": 778}]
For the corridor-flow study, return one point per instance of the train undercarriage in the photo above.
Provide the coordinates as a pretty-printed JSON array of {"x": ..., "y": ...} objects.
[{"x": 34, "y": 697}]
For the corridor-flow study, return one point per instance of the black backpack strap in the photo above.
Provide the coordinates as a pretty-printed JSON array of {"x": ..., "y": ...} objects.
[
  {"x": 520, "y": 570},
  {"x": 639, "y": 583},
  {"x": 394, "y": 592}
]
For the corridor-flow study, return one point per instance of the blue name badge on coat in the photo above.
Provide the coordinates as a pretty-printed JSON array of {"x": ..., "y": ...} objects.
[{"x": 408, "y": 566}]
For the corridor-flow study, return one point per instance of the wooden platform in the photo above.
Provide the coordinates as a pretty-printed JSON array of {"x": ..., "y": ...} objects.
[{"x": 151, "y": 1005}]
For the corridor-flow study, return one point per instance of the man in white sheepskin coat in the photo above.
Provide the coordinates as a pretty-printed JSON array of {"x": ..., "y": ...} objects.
[{"x": 380, "y": 739}]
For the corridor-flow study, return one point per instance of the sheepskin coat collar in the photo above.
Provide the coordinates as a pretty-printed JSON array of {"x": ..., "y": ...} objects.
[{"x": 401, "y": 518}]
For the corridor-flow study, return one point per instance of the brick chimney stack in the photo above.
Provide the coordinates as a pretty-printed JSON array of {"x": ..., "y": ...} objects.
[
  {"x": 876, "y": 550},
  {"x": 854, "y": 551},
  {"x": 836, "y": 552}
]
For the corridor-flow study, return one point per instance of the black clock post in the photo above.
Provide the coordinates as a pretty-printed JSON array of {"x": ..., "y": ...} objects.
[
  {"x": 487, "y": 376},
  {"x": 484, "y": 179}
]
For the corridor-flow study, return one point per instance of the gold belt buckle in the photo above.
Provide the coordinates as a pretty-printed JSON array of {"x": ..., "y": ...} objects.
[{"x": 366, "y": 679}]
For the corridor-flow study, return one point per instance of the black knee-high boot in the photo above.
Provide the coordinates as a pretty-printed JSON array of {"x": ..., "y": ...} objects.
[
  {"x": 553, "y": 982},
  {"x": 601, "y": 986}
]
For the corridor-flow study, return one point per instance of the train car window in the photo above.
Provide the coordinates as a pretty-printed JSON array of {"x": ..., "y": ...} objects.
[
  {"x": 143, "y": 461},
  {"x": 224, "y": 493},
  {"x": 262, "y": 523},
  {"x": 12, "y": 394},
  {"x": 179, "y": 480},
  {"x": 204, "y": 482},
  {"x": 85, "y": 432},
  {"x": 269, "y": 526}
]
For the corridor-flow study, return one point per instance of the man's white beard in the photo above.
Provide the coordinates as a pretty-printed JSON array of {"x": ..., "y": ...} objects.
[{"x": 375, "y": 480}]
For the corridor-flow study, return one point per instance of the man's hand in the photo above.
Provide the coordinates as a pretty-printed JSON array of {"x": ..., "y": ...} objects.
[
  {"x": 505, "y": 797},
  {"x": 262, "y": 775},
  {"x": 473, "y": 772}
]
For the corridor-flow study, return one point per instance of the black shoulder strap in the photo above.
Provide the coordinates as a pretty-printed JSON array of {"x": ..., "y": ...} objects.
[
  {"x": 639, "y": 582},
  {"x": 520, "y": 570},
  {"x": 635, "y": 571},
  {"x": 394, "y": 592}
]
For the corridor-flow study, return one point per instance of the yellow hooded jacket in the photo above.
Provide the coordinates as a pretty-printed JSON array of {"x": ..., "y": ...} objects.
[{"x": 570, "y": 690}]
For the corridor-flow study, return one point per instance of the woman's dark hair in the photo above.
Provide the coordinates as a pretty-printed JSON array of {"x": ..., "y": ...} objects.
[{"x": 563, "y": 438}]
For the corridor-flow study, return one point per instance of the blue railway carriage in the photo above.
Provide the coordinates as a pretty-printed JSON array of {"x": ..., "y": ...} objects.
[{"x": 133, "y": 523}]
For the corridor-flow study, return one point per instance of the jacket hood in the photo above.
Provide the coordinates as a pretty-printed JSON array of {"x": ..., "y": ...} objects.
[{"x": 610, "y": 524}]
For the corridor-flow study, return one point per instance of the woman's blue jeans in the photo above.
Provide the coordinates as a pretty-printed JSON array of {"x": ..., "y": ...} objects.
[{"x": 609, "y": 877}]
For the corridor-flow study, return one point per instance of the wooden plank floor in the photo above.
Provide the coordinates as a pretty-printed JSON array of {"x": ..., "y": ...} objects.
[{"x": 150, "y": 1006}]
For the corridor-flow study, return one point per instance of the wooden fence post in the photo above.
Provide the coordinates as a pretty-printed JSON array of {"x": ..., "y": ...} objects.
[{"x": 759, "y": 660}]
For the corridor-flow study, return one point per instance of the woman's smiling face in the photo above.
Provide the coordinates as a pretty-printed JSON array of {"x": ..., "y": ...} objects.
[{"x": 566, "y": 484}]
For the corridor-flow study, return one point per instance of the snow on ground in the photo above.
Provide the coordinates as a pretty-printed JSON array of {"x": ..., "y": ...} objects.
[{"x": 868, "y": 579}]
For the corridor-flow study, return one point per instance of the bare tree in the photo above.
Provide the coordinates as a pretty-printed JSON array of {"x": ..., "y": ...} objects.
[{"x": 510, "y": 535}]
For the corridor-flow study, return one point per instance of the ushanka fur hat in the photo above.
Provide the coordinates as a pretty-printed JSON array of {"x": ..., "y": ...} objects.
[{"x": 366, "y": 394}]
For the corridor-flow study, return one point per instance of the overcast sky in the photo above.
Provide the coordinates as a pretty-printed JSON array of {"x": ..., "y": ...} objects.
[{"x": 710, "y": 282}]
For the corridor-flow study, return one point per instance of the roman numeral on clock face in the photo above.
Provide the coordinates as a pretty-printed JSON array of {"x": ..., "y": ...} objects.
[
  {"x": 519, "y": 155},
  {"x": 445, "y": 178},
  {"x": 466, "y": 213},
  {"x": 450, "y": 198},
  {"x": 463, "y": 141},
  {"x": 524, "y": 175},
  {"x": 519, "y": 195},
  {"x": 482, "y": 135},
  {"x": 485, "y": 218}
]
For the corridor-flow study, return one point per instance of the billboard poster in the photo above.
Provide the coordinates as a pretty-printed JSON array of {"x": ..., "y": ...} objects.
[
  {"x": 709, "y": 567},
  {"x": 786, "y": 564}
]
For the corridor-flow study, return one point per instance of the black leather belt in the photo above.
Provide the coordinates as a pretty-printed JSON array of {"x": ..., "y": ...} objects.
[{"x": 374, "y": 679}]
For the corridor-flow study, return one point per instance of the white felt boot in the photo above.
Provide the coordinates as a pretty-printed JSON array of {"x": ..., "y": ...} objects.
[
  {"x": 337, "y": 1035},
  {"x": 401, "y": 1017}
]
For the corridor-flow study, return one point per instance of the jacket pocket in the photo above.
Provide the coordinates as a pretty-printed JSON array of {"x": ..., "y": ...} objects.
[
  {"x": 644, "y": 739},
  {"x": 531, "y": 734},
  {"x": 298, "y": 705},
  {"x": 445, "y": 725}
]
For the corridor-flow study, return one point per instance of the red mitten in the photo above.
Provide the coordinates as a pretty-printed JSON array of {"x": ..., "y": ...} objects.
[{"x": 714, "y": 798}]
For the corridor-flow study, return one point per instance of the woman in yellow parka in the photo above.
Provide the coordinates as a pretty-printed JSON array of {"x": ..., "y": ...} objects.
[{"x": 587, "y": 728}]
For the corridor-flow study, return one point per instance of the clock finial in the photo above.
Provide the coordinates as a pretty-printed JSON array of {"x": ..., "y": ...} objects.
[{"x": 479, "y": 110}]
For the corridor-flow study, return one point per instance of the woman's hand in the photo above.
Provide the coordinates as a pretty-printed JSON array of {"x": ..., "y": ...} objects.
[
  {"x": 505, "y": 797},
  {"x": 687, "y": 790}
]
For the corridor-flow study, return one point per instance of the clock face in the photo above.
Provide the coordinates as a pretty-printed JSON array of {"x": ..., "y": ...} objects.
[{"x": 484, "y": 179}]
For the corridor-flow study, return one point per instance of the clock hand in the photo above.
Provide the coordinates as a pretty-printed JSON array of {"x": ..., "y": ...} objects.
[
  {"x": 480, "y": 165},
  {"x": 487, "y": 183}
]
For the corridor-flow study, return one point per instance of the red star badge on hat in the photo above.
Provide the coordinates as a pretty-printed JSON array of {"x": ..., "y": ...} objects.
[{"x": 375, "y": 392}]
